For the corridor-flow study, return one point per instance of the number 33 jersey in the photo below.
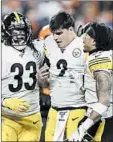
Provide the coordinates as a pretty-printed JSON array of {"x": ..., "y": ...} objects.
[
  {"x": 19, "y": 74},
  {"x": 67, "y": 69}
]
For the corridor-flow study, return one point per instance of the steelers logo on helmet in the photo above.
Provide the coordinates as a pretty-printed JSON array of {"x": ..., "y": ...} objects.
[{"x": 76, "y": 52}]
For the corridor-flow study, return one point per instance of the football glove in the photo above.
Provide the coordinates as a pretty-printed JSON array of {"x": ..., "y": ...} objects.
[
  {"x": 15, "y": 104},
  {"x": 81, "y": 131},
  {"x": 78, "y": 134}
]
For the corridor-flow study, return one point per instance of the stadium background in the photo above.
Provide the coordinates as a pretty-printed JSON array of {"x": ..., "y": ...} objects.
[{"x": 39, "y": 12}]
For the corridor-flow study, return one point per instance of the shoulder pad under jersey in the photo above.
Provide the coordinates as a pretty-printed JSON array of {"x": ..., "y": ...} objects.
[{"x": 101, "y": 60}]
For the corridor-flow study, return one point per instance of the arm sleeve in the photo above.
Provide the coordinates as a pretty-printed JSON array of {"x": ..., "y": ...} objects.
[{"x": 102, "y": 63}]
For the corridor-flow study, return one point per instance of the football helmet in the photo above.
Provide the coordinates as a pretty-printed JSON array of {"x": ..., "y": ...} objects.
[
  {"x": 16, "y": 30},
  {"x": 101, "y": 33},
  {"x": 82, "y": 29}
]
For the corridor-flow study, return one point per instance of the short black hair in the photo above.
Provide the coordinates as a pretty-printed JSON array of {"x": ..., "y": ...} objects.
[{"x": 62, "y": 20}]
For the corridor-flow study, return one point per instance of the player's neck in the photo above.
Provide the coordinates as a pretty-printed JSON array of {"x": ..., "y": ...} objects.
[{"x": 73, "y": 37}]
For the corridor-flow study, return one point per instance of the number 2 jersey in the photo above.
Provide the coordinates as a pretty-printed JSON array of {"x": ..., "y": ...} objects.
[
  {"x": 67, "y": 70},
  {"x": 19, "y": 76},
  {"x": 102, "y": 60}
]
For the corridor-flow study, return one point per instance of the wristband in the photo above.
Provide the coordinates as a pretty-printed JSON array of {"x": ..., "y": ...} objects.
[
  {"x": 87, "y": 124},
  {"x": 100, "y": 108}
]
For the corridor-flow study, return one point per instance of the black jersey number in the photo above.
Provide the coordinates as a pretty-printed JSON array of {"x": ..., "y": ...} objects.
[
  {"x": 62, "y": 64},
  {"x": 18, "y": 77}
]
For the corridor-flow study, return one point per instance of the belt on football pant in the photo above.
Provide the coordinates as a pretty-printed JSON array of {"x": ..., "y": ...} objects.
[{"x": 69, "y": 108}]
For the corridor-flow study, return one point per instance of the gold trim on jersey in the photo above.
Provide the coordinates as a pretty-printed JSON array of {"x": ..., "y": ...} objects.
[
  {"x": 17, "y": 17},
  {"x": 99, "y": 60},
  {"x": 101, "y": 65}
]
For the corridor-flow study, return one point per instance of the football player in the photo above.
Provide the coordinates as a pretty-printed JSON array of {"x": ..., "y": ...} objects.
[
  {"x": 98, "y": 41},
  {"x": 65, "y": 53},
  {"x": 21, "y": 61}
]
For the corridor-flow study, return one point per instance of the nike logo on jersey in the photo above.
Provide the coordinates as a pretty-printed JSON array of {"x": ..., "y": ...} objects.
[
  {"x": 73, "y": 119},
  {"x": 35, "y": 122}
]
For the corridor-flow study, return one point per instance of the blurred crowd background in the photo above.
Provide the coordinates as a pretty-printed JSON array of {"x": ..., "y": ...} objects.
[{"x": 39, "y": 12}]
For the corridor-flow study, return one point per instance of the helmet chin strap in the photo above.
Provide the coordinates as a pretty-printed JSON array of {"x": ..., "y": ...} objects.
[{"x": 18, "y": 48}]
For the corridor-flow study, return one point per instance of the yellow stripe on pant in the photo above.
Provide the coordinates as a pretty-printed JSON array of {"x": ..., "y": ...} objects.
[
  {"x": 99, "y": 132},
  {"x": 75, "y": 116}
]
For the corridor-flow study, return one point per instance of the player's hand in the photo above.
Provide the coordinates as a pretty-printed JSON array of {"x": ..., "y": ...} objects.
[
  {"x": 43, "y": 76},
  {"x": 82, "y": 129},
  {"x": 78, "y": 135},
  {"x": 15, "y": 104}
]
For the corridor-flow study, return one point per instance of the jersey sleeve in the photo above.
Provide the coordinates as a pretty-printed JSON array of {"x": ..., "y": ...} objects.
[{"x": 100, "y": 63}]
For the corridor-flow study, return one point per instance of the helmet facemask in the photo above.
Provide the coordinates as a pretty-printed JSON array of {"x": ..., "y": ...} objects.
[
  {"x": 18, "y": 37},
  {"x": 18, "y": 31}
]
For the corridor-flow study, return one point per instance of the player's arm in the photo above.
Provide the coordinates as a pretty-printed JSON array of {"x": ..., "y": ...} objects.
[
  {"x": 103, "y": 89},
  {"x": 43, "y": 74}
]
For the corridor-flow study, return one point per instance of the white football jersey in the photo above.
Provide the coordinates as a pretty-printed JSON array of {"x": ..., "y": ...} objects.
[
  {"x": 19, "y": 75},
  {"x": 89, "y": 85},
  {"x": 101, "y": 60},
  {"x": 67, "y": 70}
]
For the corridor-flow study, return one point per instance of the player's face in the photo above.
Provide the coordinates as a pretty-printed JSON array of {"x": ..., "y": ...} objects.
[
  {"x": 62, "y": 37},
  {"x": 18, "y": 38},
  {"x": 89, "y": 43}
]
